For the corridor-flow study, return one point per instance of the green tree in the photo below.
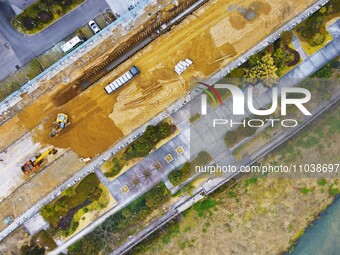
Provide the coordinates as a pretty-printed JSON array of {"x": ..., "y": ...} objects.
[
  {"x": 32, "y": 249},
  {"x": 237, "y": 73},
  {"x": 28, "y": 23},
  {"x": 253, "y": 60},
  {"x": 69, "y": 192},
  {"x": 278, "y": 57},
  {"x": 156, "y": 196},
  {"x": 139, "y": 148},
  {"x": 180, "y": 175},
  {"x": 126, "y": 212},
  {"x": 230, "y": 138},
  {"x": 151, "y": 133},
  {"x": 264, "y": 71},
  {"x": 47, "y": 211},
  {"x": 286, "y": 37},
  {"x": 164, "y": 130},
  {"x": 45, "y": 16}
]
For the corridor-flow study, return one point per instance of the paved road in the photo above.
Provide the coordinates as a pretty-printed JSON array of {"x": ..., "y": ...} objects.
[
  {"x": 122, "y": 6},
  {"x": 7, "y": 56},
  {"x": 22, "y": 4},
  {"x": 28, "y": 47}
]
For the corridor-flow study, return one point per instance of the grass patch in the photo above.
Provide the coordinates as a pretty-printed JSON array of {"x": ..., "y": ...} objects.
[
  {"x": 233, "y": 137},
  {"x": 305, "y": 190},
  {"x": 322, "y": 182},
  {"x": 178, "y": 176},
  {"x": 172, "y": 232},
  {"x": 194, "y": 117},
  {"x": 309, "y": 49},
  {"x": 333, "y": 191},
  {"x": 32, "y": 69},
  {"x": 204, "y": 206},
  {"x": 248, "y": 182}
]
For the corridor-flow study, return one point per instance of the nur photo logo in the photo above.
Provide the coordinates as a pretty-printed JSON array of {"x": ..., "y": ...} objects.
[{"x": 243, "y": 101}]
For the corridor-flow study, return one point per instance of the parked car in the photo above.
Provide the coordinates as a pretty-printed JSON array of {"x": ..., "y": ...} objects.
[{"x": 94, "y": 27}]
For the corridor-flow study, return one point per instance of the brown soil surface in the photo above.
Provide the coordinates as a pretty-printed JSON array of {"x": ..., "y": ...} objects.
[
  {"x": 237, "y": 21},
  {"x": 98, "y": 120},
  {"x": 10, "y": 132}
]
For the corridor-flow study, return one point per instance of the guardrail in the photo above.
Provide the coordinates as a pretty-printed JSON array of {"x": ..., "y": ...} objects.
[{"x": 129, "y": 15}]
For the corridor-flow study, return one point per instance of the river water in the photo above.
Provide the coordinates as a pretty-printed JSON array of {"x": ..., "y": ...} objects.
[{"x": 323, "y": 238}]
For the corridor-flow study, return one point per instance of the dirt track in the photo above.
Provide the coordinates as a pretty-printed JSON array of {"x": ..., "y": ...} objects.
[{"x": 98, "y": 120}]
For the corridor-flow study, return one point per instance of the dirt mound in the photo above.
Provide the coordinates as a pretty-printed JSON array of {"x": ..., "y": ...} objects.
[
  {"x": 237, "y": 21},
  {"x": 261, "y": 7},
  {"x": 90, "y": 131}
]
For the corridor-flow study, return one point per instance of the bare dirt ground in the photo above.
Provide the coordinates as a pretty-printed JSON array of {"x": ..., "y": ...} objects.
[
  {"x": 12, "y": 244},
  {"x": 39, "y": 186},
  {"x": 211, "y": 33},
  {"x": 8, "y": 134}
]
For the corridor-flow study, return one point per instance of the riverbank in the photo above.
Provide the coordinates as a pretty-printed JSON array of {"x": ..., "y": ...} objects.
[{"x": 322, "y": 234}]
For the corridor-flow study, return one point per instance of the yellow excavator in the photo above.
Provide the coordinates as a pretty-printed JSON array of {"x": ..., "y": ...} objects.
[
  {"x": 60, "y": 123},
  {"x": 35, "y": 163}
]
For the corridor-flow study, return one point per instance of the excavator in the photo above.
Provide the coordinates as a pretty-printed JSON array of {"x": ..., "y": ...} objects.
[
  {"x": 35, "y": 163},
  {"x": 60, "y": 123}
]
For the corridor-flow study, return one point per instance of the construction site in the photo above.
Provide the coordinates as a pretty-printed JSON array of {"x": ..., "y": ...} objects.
[{"x": 91, "y": 121}]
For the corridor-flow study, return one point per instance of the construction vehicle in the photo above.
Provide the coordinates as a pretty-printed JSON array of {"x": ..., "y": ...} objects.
[
  {"x": 35, "y": 163},
  {"x": 60, "y": 123}
]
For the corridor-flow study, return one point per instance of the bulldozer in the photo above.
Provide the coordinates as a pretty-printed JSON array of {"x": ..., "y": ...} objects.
[
  {"x": 60, "y": 124},
  {"x": 35, "y": 163}
]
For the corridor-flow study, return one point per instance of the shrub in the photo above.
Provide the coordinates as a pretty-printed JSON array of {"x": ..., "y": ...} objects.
[
  {"x": 230, "y": 138},
  {"x": 152, "y": 135},
  {"x": 116, "y": 165},
  {"x": 178, "y": 176},
  {"x": 202, "y": 159},
  {"x": 28, "y": 23},
  {"x": 65, "y": 2},
  {"x": 318, "y": 39},
  {"x": 45, "y": 16}
]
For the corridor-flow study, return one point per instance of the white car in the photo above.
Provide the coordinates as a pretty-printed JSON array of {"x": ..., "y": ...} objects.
[{"x": 94, "y": 27}]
